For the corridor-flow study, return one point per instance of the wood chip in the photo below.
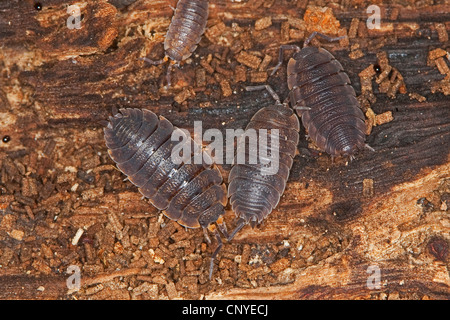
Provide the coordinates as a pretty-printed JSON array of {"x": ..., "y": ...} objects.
[
  {"x": 297, "y": 23},
  {"x": 200, "y": 77},
  {"x": 225, "y": 87},
  {"x": 263, "y": 23},
  {"x": 29, "y": 187},
  {"x": 394, "y": 88},
  {"x": 385, "y": 117},
  {"x": 7, "y": 222},
  {"x": 394, "y": 14},
  {"x": 442, "y": 32},
  {"x": 344, "y": 42},
  {"x": 442, "y": 66},
  {"x": 436, "y": 53},
  {"x": 321, "y": 19},
  {"x": 382, "y": 59},
  {"x": 384, "y": 74},
  {"x": 284, "y": 33},
  {"x": 362, "y": 30},
  {"x": 205, "y": 64},
  {"x": 368, "y": 188},
  {"x": 172, "y": 292},
  {"x": 442, "y": 86},
  {"x": 246, "y": 40},
  {"x": 213, "y": 32},
  {"x": 353, "y": 31},
  {"x": 258, "y": 76},
  {"x": 40, "y": 265},
  {"x": 17, "y": 234},
  {"x": 366, "y": 76},
  {"x": 240, "y": 74},
  {"x": 280, "y": 265},
  {"x": 371, "y": 117},
  {"x": 144, "y": 287},
  {"x": 356, "y": 54},
  {"x": 185, "y": 94},
  {"x": 77, "y": 236},
  {"x": 295, "y": 34},
  {"x": 417, "y": 96},
  {"x": 248, "y": 60},
  {"x": 265, "y": 63}
]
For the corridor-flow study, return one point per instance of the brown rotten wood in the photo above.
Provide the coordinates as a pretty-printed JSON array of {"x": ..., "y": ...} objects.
[{"x": 335, "y": 221}]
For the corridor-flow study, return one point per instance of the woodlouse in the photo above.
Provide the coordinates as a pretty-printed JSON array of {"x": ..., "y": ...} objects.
[
  {"x": 253, "y": 189},
  {"x": 321, "y": 93},
  {"x": 185, "y": 31},
  {"x": 193, "y": 194}
]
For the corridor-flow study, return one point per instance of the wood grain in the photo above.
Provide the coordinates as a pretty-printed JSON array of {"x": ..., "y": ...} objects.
[{"x": 56, "y": 84}]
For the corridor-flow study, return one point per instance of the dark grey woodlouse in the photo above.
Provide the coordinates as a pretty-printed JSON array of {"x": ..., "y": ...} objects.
[
  {"x": 253, "y": 190},
  {"x": 321, "y": 93},
  {"x": 193, "y": 194},
  {"x": 185, "y": 31}
]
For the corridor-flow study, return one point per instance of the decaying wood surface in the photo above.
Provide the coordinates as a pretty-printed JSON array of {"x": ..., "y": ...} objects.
[{"x": 335, "y": 224}]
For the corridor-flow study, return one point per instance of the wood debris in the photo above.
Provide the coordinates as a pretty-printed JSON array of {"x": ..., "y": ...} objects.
[
  {"x": 390, "y": 80},
  {"x": 321, "y": 19},
  {"x": 263, "y": 23},
  {"x": 442, "y": 32},
  {"x": 248, "y": 60},
  {"x": 436, "y": 58}
]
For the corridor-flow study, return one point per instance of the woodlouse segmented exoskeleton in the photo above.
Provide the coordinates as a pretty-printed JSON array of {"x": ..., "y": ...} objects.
[
  {"x": 255, "y": 189},
  {"x": 321, "y": 93},
  {"x": 185, "y": 31},
  {"x": 191, "y": 193},
  {"x": 120, "y": 4}
]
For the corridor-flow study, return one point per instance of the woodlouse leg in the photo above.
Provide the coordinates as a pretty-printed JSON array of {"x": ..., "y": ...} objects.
[
  {"x": 215, "y": 253},
  {"x": 222, "y": 228},
  {"x": 241, "y": 223},
  {"x": 268, "y": 88},
  {"x": 323, "y": 36},
  {"x": 280, "y": 55}
]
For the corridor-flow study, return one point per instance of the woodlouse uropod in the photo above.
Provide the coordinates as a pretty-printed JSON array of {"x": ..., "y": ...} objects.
[
  {"x": 185, "y": 31},
  {"x": 254, "y": 190},
  {"x": 191, "y": 193},
  {"x": 321, "y": 93}
]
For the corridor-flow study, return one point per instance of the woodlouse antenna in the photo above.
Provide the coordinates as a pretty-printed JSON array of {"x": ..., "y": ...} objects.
[
  {"x": 323, "y": 36},
  {"x": 265, "y": 87},
  {"x": 281, "y": 55}
]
